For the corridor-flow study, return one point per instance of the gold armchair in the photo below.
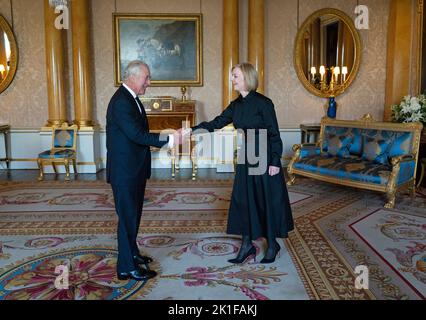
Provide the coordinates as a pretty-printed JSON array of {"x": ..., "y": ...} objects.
[{"x": 63, "y": 151}]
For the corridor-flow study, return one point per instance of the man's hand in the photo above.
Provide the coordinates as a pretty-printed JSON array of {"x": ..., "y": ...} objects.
[{"x": 273, "y": 170}]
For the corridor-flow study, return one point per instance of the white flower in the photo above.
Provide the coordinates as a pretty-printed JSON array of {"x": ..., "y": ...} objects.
[
  {"x": 410, "y": 109},
  {"x": 415, "y": 104},
  {"x": 414, "y": 117},
  {"x": 407, "y": 108},
  {"x": 407, "y": 99}
]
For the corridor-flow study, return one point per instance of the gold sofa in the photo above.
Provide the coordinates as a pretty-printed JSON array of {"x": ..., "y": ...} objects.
[{"x": 379, "y": 156}]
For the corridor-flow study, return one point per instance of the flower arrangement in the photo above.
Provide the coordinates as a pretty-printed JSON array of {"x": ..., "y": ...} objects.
[{"x": 410, "y": 109}]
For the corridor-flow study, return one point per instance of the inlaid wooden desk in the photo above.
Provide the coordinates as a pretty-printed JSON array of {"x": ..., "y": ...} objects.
[
  {"x": 5, "y": 130},
  {"x": 170, "y": 113}
]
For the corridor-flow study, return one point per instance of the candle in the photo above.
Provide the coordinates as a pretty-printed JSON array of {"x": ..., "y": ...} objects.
[
  {"x": 344, "y": 72},
  {"x": 313, "y": 72},
  {"x": 322, "y": 72},
  {"x": 336, "y": 72}
]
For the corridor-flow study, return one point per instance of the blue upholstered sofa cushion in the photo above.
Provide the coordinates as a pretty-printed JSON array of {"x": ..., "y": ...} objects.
[
  {"x": 56, "y": 154},
  {"x": 381, "y": 145},
  {"x": 337, "y": 141},
  {"x": 338, "y": 145},
  {"x": 376, "y": 150},
  {"x": 352, "y": 168},
  {"x": 357, "y": 142},
  {"x": 402, "y": 144}
]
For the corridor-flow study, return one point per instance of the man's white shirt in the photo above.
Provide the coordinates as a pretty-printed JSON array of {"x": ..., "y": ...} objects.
[{"x": 171, "y": 138}]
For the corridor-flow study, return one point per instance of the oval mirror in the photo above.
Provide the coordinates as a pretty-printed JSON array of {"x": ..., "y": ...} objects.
[
  {"x": 8, "y": 54},
  {"x": 327, "y": 52}
]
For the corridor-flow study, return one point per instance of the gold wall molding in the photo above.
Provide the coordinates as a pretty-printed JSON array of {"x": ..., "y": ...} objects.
[
  {"x": 55, "y": 68},
  {"x": 403, "y": 52},
  {"x": 256, "y": 40},
  {"x": 230, "y": 48},
  {"x": 82, "y": 80}
]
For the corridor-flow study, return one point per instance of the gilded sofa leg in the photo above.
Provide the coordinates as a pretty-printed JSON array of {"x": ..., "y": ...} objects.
[
  {"x": 40, "y": 167},
  {"x": 391, "y": 199},
  {"x": 292, "y": 178},
  {"x": 391, "y": 186},
  {"x": 291, "y": 175}
]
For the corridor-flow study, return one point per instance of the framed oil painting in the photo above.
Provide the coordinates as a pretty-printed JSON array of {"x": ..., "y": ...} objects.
[{"x": 171, "y": 44}]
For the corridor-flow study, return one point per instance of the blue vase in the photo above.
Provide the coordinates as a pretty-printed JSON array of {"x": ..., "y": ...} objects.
[{"x": 332, "y": 108}]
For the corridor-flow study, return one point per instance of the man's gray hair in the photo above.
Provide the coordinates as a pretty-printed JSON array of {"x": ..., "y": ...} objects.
[{"x": 134, "y": 69}]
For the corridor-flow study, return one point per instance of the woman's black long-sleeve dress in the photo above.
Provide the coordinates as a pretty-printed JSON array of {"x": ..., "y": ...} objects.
[{"x": 260, "y": 205}]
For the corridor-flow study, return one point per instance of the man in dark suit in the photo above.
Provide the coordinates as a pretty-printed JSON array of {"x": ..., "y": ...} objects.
[{"x": 129, "y": 165}]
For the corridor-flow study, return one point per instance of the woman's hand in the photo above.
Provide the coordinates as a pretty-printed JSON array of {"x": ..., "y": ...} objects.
[{"x": 273, "y": 170}]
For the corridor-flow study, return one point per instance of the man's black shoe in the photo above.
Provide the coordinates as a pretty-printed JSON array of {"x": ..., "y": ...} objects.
[
  {"x": 142, "y": 259},
  {"x": 138, "y": 275}
]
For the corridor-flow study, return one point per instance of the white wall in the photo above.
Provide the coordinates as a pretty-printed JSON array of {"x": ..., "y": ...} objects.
[{"x": 26, "y": 144}]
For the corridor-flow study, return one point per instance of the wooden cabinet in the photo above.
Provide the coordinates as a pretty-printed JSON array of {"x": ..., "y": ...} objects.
[{"x": 170, "y": 113}]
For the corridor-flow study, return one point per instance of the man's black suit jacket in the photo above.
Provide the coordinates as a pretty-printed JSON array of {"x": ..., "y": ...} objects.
[{"x": 128, "y": 141}]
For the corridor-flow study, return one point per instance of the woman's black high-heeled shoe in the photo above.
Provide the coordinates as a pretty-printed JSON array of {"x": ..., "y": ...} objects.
[
  {"x": 271, "y": 260},
  {"x": 250, "y": 252}
]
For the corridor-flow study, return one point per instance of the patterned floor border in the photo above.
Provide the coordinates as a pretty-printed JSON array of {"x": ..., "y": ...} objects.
[
  {"x": 325, "y": 271},
  {"x": 101, "y": 183}
]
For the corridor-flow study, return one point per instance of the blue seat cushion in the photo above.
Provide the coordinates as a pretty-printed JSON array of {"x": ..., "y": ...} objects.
[
  {"x": 57, "y": 154},
  {"x": 402, "y": 144},
  {"x": 307, "y": 151},
  {"x": 376, "y": 149},
  {"x": 352, "y": 168}
]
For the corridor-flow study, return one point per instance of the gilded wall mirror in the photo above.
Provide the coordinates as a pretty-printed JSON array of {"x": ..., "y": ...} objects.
[
  {"x": 327, "y": 52},
  {"x": 8, "y": 54}
]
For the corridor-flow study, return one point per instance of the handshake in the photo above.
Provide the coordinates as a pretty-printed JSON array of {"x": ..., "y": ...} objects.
[{"x": 180, "y": 135}]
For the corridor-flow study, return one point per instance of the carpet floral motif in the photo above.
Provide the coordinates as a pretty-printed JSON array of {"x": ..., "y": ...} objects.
[
  {"x": 398, "y": 227},
  {"x": 98, "y": 200},
  {"x": 250, "y": 280},
  {"x": 412, "y": 260},
  {"x": 92, "y": 275}
]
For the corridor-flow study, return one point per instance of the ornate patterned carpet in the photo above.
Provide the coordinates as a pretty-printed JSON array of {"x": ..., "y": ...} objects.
[{"x": 45, "y": 225}]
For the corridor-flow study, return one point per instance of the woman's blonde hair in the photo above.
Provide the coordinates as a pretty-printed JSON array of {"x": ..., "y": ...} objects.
[{"x": 250, "y": 75}]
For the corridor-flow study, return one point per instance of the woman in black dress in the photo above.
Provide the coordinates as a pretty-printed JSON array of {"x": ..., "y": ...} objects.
[{"x": 260, "y": 205}]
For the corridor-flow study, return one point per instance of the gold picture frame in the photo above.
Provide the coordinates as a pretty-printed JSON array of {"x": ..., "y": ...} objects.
[
  {"x": 322, "y": 17},
  {"x": 171, "y": 44},
  {"x": 8, "y": 59}
]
